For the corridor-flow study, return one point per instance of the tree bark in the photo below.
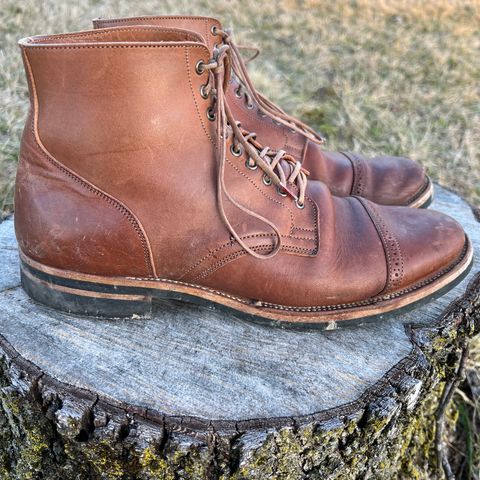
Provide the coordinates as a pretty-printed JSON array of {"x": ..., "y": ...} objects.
[{"x": 192, "y": 394}]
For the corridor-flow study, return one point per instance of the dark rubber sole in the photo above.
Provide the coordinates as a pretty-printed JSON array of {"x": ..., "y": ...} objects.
[{"x": 134, "y": 298}]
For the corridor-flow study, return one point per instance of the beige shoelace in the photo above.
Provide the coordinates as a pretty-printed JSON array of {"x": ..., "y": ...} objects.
[
  {"x": 280, "y": 169},
  {"x": 266, "y": 106}
]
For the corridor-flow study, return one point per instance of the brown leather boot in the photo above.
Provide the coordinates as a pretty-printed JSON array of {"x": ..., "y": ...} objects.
[
  {"x": 384, "y": 180},
  {"x": 135, "y": 183}
]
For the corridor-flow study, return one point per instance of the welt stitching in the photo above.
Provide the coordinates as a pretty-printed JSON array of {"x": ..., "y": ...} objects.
[
  {"x": 420, "y": 192},
  {"x": 98, "y": 33},
  {"x": 111, "y": 201},
  {"x": 340, "y": 306},
  {"x": 187, "y": 62}
]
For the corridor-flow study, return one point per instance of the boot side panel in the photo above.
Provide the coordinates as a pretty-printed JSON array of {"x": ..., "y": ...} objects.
[{"x": 65, "y": 222}]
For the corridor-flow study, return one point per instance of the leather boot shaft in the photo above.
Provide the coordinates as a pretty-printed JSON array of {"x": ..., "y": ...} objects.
[{"x": 383, "y": 179}]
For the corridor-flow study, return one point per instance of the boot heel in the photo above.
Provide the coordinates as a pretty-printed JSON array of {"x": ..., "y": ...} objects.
[{"x": 52, "y": 292}]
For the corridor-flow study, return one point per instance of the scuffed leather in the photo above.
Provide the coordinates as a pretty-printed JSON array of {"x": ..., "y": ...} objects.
[{"x": 63, "y": 222}]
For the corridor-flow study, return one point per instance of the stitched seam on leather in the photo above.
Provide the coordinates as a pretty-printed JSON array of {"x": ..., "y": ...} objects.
[
  {"x": 33, "y": 46},
  {"x": 301, "y": 250},
  {"x": 304, "y": 229},
  {"x": 292, "y": 220},
  {"x": 149, "y": 17},
  {"x": 257, "y": 235},
  {"x": 240, "y": 253},
  {"x": 315, "y": 210},
  {"x": 358, "y": 184},
  {"x": 98, "y": 33},
  {"x": 292, "y": 229},
  {"x": 304, "y": 150},
  {"x": 323, "y": 308},
  {"x": 206, "y": 33},
  {"x": 110, "y": 200},
  {"x": 187, "y": 62},
  {"x": 393, "y": 252},
  {"x": 229, "y": 258}
]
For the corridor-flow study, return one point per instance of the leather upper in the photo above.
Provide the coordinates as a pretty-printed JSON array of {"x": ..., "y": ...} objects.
[
  {"x": 118, "y": 176},
  {"x": 383, "y": 179}
]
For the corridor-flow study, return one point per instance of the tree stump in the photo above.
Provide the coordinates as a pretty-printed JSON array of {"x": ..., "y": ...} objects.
[{"x": 195, "y": 394}]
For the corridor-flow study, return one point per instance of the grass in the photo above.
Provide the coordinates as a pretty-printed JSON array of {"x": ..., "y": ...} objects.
[{"x": 399, "y": 77}]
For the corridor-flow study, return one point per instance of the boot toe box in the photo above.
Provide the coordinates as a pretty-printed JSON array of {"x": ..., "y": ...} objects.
[
  {"x": 395, "y": 181},
  {"x": 428, "y": 244}
]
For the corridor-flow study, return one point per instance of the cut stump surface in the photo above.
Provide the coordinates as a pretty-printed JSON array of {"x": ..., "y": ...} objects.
[{"x": 194, "y": 393}]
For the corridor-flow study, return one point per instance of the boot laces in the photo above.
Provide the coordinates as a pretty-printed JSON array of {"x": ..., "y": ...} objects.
[
  {"x": 247, "y": 89},
  {"x": 279, "y": 168}
]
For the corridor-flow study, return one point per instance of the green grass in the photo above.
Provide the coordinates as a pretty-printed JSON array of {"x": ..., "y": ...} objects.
[{"x": 399, "y": 77}]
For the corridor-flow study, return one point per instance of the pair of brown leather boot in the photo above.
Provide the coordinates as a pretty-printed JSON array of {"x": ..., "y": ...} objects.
[{"x": 150, "y": 167}]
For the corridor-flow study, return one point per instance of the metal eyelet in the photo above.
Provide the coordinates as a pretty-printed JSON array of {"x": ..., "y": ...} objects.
[
  {"x": 214, "y": 30},
  {"x": 203, "y": 92},
  {"x": 292, "y": 131},
  {"x": 299, "y": 205},
  {"x": 211, "y": 114},
  {"x": 236, "y": 153},
  {"x": 199, "y": 67},
  {"x": 276, "y": 123},
  {"x": 250, "y": 106},
  {"x": 263, "y": 115},
  {"x": 238, "y": 93},
  {"x": 267, "y": 180},
  {"x": 280, "y": 191},
  {"x": 249, "y": 165}
]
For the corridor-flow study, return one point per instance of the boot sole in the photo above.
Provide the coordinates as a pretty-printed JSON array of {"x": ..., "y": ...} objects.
[
  {"x": 424, "y": 197},
  {"x": 114, "y": 297}
]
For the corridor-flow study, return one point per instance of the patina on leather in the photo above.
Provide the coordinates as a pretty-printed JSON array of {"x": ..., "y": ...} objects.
[
  {"x": 383, "y": 179},
  {"x": 133, "y": 122}
]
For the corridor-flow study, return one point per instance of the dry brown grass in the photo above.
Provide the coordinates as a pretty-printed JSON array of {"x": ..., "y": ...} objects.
[{"x": 397, "y": 76}]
